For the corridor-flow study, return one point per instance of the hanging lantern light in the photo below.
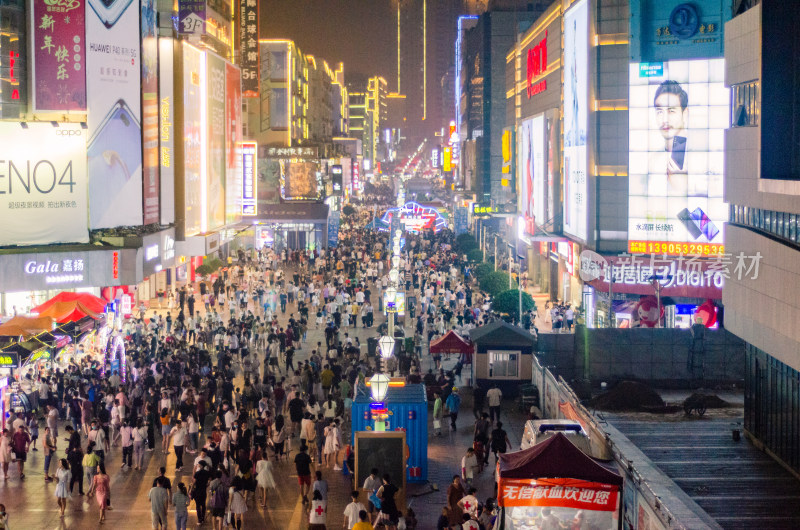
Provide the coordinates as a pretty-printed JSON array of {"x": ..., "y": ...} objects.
[
  {"x": 396, "y": 261},
  {"x": 386, "y": 346},
  {"x": 393, "y": 275},
  {"x": 379, "y": 386}
]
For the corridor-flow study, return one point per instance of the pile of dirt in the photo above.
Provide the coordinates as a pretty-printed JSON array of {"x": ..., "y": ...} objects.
[
  {"x": 629, "y": 396},
  {"x": 712, "y": 401}
]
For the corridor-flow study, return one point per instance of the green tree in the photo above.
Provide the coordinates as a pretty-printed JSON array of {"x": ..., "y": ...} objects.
[
  {"x": 348, "y": 210},
  {"x": 465, "y": 243},
  {"x": 483, "y": 269},
  {"x": 508, "y": 302},
  {"x": 475, "y": 255},
  {"x": 495, "y": 282}
]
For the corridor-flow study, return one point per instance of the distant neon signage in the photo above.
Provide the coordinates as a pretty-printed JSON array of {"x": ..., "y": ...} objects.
[
  {"x": 537, "y": 64},
  {"x": 415, "y": 218}
]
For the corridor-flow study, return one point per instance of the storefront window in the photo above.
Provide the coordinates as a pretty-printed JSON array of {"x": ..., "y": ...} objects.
[
  {"x": 504, "y": 364},
  {"x": 793, "y": 227}
]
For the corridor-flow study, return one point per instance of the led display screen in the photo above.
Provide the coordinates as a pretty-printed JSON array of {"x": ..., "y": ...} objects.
[{"x": 679, "y": 111}]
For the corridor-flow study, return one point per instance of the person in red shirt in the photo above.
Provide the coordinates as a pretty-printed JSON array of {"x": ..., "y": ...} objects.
[{"x": 19, "y": 443}]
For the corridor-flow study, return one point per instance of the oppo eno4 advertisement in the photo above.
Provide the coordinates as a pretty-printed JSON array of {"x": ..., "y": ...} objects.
[{"x": 678, "y": 115}]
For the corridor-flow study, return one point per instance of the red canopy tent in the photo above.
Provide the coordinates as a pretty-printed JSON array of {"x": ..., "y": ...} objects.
[
  {"x": 91, "y": 302},
  {"x": 451, "y": 342},
  {"x": 555, "y": 482},
  {"x": 68, "y": 312}
]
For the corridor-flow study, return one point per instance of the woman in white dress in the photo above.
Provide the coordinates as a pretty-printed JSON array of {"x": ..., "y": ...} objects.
[
  {"x": 331, "y": 448},
  {"x": 5, "y": 452},
  {"x": 237, "y": 504},
  {"x": 63, "y": 476},
  {"x": 264, "y": 478}
]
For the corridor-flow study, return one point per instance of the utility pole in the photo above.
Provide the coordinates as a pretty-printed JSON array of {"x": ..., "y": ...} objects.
[{"x": 495, "y": 252}]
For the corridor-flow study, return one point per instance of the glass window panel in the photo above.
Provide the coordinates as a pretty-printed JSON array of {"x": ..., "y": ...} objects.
[
  {"x": 780, "y": 224},
  {"x": 793, "y": 227}
]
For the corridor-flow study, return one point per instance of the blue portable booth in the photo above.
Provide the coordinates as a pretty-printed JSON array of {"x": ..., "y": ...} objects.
[{"x": 408, "y": 411}]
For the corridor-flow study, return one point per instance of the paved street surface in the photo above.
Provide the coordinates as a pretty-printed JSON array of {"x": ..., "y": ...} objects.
[
  {"x": 31, "y": 502},
  {"x": 735, "y": 483}
]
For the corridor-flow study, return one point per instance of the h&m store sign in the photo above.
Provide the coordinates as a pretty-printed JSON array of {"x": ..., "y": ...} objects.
[{"x": 536, "y": 61}]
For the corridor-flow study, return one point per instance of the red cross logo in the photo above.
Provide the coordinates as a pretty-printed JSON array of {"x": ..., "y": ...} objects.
[
  {"x": 466, "y": 505},
  {"x": 319, "y": 510}
]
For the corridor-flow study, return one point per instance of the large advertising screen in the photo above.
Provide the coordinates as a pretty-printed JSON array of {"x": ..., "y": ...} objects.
[
  {"x": 193, "y": 136},
  {"x": 576, "y": 103},
  {"x": 531, "y": 175},
  {"x": 113, "y": 73},
  {"x": 59, "y": 56},
  {"x": 215, "y": 122},
  {"x": 300, "y": 180},
  {"x": 679, "y": 111},
  {"x": 150, "y": 106},
  {"x": 42, "y": 191},
  {"x": 166, "y": 128}
]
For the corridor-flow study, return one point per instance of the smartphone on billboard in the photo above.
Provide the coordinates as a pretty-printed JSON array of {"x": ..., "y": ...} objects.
[
  {"x": 706, "y": 226},
  {"x": 686, "y": 218},
  {"x": 679, "y": 150},
  {"x": 114, "y": 156},
  {"x": 109, "y": 11}
]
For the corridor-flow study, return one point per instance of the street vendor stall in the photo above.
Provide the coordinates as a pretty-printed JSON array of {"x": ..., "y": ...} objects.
[
  {"x": 503, "y": 356},
  {"x": 93, "y": 303},
  {"x": 556, "y": 485},
  {"x": 452, "y": 343}
]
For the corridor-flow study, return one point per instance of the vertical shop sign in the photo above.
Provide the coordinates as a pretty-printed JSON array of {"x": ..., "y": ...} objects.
[
  {"x": 150, "y": 109},
  {"x": 59, "y": 56},
  {"x": 233, "y": 140},
  {"x": 249, "y": 178},
  {"x": 248, "y": 37},
  {"x": 113, "y": 83}
]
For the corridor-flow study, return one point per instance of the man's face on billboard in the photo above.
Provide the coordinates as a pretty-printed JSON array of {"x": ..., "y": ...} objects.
[{"x": 670, "y": 116}]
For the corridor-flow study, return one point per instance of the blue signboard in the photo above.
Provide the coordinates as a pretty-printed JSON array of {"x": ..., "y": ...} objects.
[{"x": 333, "y": 229}]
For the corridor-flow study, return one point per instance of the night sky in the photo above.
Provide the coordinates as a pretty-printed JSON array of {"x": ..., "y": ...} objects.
[{"x": 360, "y": 33}]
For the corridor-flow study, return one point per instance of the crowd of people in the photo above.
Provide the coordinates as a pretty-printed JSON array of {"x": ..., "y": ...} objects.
[{"x": 215, "y": 379}]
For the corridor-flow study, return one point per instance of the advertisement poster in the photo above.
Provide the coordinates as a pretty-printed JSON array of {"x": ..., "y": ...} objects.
[
  {"x": 43, "y": 191},
  {"x": 59, "y": 56},
  {"x": 166, "y": 128},
  {"x": 531, "y": 174},
  {"x": 300, "y": 180},
  {"x": 269, "y": 181},
  {"x": 113, "y": 74},
  {"x": 215, "y": 165},
  {"x": 193, "y": 136},
  {"x": 233, "y": 139},
  {"x": 679, "y": 111},
  {"x": 576, "y": 102},
  {"x": 150, "y": 173},
  {"x": 248, "y": 37},
  {"x": 333, "y": 229}
]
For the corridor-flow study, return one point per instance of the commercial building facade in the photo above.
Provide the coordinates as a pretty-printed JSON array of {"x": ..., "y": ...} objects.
[{"x": 762, "y": 187}]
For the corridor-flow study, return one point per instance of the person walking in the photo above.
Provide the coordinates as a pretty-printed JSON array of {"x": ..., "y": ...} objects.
[
  {"x": 139, "y": 439},
  {"x": 158, "y": 497},
  {"x": 101, "y": 487},
  {"x": 303, "y": 466},
  {"x": 200, "y": 481},
  {"x": 89, "y": 462},
  {"x": 178, "y": 435},
  {"x": 453, "y": 404},
  {"x": 438, "y": 413},
  {"x": 63, "y": 476},
  {"x": 20, "y": 442},
  {"x": 181, "y": 503},
  {"x": 495, "y": 396},
  {"x": 237, "y": 504},
  {"x": 5, "y": 452},
  {"x": 264, "y": 477},
  {"x": 499, "y": 440}
]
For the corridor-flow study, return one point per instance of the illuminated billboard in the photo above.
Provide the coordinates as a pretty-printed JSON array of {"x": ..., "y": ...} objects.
[
  {"x": 679, "y": 111},
  {"x": 300, "y": 180},
  {"x": 576, "y": 103},
  {"x": 530, "y": 173}
]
